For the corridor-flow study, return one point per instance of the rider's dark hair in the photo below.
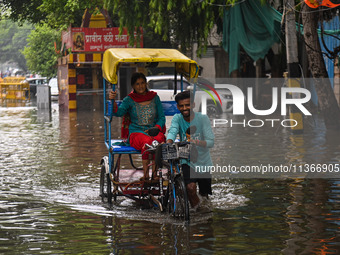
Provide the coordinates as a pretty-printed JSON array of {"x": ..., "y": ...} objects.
[
  {"x": 184, "y": 95},
  {"x": 136, "y": 76}
]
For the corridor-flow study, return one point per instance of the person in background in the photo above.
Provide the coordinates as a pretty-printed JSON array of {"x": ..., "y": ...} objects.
[
  {"x": 204, "y": 139},
  {"x": 145, "y": 112}
]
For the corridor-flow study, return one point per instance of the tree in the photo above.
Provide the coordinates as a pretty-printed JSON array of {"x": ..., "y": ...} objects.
[
  {"x": 40, "y": 52},
  {"x": 56, "y": 13},
  {"x": 181, "y": 22},
  {"x": 22, "y": 11},
  {"x": 13, "y": 39},
  {"x": 62, "y": 13}
]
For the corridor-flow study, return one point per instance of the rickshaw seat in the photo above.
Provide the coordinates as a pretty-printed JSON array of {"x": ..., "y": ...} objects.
[{"x": 118, "y": 148}]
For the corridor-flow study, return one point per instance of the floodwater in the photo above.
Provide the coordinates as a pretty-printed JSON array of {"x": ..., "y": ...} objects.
[{"x": 50, "y": 204}]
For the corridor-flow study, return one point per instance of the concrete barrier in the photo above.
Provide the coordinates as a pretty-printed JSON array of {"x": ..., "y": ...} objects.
[{"x": 44, "y": 97}]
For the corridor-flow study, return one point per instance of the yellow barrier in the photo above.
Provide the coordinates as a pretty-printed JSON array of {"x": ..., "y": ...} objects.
[
  {"x": 14, "y": 79},
  {"x": 15, "y": 90}
]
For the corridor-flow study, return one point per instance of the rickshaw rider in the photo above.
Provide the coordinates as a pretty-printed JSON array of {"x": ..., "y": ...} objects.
[
  {"x": 145, "y": 112},
  {"x": 204, "y": 139}
]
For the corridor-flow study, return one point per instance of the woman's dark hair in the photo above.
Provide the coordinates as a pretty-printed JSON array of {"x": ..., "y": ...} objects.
[
  {"x": 137, "y": 76},
  {"x": 184, "y": 95}
]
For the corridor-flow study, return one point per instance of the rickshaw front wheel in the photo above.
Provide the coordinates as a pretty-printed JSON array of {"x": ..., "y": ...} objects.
[{"x": 178, "y": 199}]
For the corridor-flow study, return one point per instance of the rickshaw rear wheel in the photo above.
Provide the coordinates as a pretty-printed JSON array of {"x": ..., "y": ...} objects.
[
  {"x": 105, "y": 186},
  {"x": 179, "y": 208}
]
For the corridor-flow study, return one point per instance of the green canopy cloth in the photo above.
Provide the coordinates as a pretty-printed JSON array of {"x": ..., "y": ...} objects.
[{"x": 252, "y": 25}]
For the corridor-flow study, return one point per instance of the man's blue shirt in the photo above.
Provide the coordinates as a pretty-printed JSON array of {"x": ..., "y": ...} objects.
[{"x": 203, "y": 132}]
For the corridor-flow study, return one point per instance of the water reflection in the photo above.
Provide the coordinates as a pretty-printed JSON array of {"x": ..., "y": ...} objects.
[
  {"x": 309, "y": 234},
  {"x": 132, "y": 236},
  {"x": 49, "y": 189}
]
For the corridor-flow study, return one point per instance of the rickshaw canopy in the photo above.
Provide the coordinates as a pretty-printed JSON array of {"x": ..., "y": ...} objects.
[{"x": 115, "y": 56}]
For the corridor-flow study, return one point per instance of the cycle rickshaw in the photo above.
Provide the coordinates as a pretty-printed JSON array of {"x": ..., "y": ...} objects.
[{"x": 169, "y": 193}]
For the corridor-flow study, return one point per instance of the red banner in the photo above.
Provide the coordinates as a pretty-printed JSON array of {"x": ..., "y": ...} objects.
[{"x": 83, "y": 39}]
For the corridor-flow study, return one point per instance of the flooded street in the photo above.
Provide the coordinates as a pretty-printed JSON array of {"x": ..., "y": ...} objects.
[{"x": 50, "y": 204}]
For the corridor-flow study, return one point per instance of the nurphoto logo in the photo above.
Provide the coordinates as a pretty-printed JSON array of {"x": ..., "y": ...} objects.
[{"x": 283, "y": 97}]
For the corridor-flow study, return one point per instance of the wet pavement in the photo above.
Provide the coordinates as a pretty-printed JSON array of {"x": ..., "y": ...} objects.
[{"x": 49, "y": 193}]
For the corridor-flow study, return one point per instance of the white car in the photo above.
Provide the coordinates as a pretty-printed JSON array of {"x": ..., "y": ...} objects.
[{"x": 164, "y": 86}]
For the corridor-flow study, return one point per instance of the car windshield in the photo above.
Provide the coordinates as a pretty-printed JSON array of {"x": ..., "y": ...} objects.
[
  {"x": 37, "y": 81},
  {"x": 167, "y": 84},
  {"x": 185, "y": 85}
]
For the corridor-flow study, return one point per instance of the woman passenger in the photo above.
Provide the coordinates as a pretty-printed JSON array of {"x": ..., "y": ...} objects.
[{"x": 145, "y": 111}]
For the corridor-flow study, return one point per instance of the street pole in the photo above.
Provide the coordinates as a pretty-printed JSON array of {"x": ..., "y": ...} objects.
[{"x": 293, "y": 63}]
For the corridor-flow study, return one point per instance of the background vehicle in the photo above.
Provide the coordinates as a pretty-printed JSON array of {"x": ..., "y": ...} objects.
[
  {"x": 33, "y": 82},
  {"x": 164, "y": 86}
]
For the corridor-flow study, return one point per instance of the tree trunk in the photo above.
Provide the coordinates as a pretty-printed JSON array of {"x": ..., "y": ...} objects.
[
  {"x": 291, "y": 44},
  {"x": 327, "y": 101},
  {"x": 294, "y": 73},
  {"x": 221, "y": 63}
]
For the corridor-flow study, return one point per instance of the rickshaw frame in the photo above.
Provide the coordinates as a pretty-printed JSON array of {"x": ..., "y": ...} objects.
[{"x": 113, "y": 59}]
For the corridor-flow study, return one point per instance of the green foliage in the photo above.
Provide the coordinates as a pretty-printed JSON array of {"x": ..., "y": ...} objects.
[
  {"x": 22, "y": 10},
  {"x": 12, "y": 41},
  {"x": 62, "y": 13},
  {"x": 56, "y": 13},
  {"x": 182, "y": 22},
  {"x": 40, "y": 52}
]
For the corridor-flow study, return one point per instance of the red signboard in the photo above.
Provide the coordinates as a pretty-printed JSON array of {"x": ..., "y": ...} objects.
[{"x": 83, "y": 39}]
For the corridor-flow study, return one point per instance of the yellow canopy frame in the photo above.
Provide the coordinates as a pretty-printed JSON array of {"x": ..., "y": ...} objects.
[{"x": 115, "y": 56}]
